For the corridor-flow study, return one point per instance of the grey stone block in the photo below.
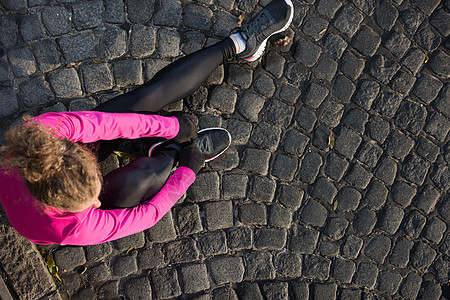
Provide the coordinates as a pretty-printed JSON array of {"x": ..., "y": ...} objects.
[
  {"x": 386, "y": 15},
  {"x": 391, "y": 219},
  {"x": 427, "y": 199},
  {"x": 96, "y": 77},
  {"x": 434, "y": 230},
  {"x": 356, "y": 119},
  {"x": 197, "y": 17},
  {"x": 316, "y": 267},
  {"x": 328, "y": 8},
  {"x": 366, "y": 275},
  {"x": 270, "y": 238},
  {"x": 239, "y": 76},
  {"x": 365, "y": 221},
  {"x": 128, "y": 72},
  {"x": 347, "y": 142},
  {"x": 415, "y": 170},
  {"x": 255, "y": 160},
  {"x": 213, "y": 243},
  {"x": 389, "y": 282},
  {"x": 222, "y": 293},
  {"x": 402, "y": 193},
  {"x": 252, "y": 214},
  {"x": 46, "y": 54},
  {"x": 82, "y": 105},
  {"x": 30, "y": 27},
  {"x": 78, "y": 47},
  {"x": 180, "y": 251},
  {"x": 139, "y": 11},
  {"x": 65, "y": 83},
  {"x": 378, "y": 248},
  {"x": 351, "y": 247},
  {"x": 328, "y": 249},
  {"x": 348, "y": 20},
  {"x": 303, "y": 240},
  {"x": 378, "y": 129},
  {"x": 168, "y": 43},
  {"x": 422, "y": 256},
  {"x": 331, "y": 114},
  {"x": 367, "y": 41},
  {"x": 289, "y": 265},
  {"x": 224, "y": 23},
  {"x": 194, "y": 278},
  {"x": 218, "y": 215},
  {"x": 124, "y": 265},
  {"x": 22, "y": 62},
  {"x": 335, "y": 45},
  {"x": 114, "y": 11},
  {"x": 88, "y": 14},
  {"x": 411, "y": 286},
  {"x": 343, "y": 270},
  {"x": 142, "y": 42},
  {"x": 398, "y": 145},
  {"x": 397, "y": 44},
  {"x": 314, "y": 213},
  {"x": 239, "y": 130},
  {"x": 264, "y": 85},
  {"x": 276, "y": 290},
  {"x": 399, "y": 256},
  {"x": 411, "y": 116},
  {"x": 414, "y": 60},
  {"x": 8, "y": 102},
  {"x": 315, "y": 27},
  {"x": 325, "y": 69},
  {"x": 324, "y": 190},
  {"x": 414, "y": 224},
  {"x": 383, "y": 69},
  {"x": 427, "y": 39},
  {"x": 169, "y": 13},
  {"x": 97, "y": 252},
  {"x": 427, "y": 149},
  {"x": 56, "y": 19},
  {"x": 386, "y": 170},
  {"x": 335, "y": 166},
  {"x": 280, "y": 217},
  {"x": 162, "y": 231},
  {"x": 165, "y": 283},
  {"x": 325, "y": 291},
  {"x": 205, "y": 187},
  {"x": 97, "y": 274},
  {"x": 35, "y": 92},
  {"x": 343, "y": 89},
  {"x": 239, "y": 238},
  {"x": 309, "y": 167},
  {"x": 263, "y": 189},
  {"x": 306, "y": 119},
  {"x": 188, "y": 219},
  {"x": 307, "y": 53},
  {"x": 440, "y": 21},
  {"x": 367, "y": 93},
  {"x": 291, "y": 196},
  {"x": 193, "y": 41},
  {"x": 438, "y": 126},
  {"x": 136, "y": 240},
  {"x": 427, "y": 88},
  {"x": 438, "y": 64},
  {"x": 266, "y": 136},
  {"x": 113, "y": 43},
  {"x": 150, "y": 258},
  {"x": 376, "y": 195},
  {"x": 300, "y": 289},
  {"x": 336, "y": 228},
  {"x": 351, "y": 65},
  {"x": 316, "y": 95},
  {"x": 284, "y": 167},
  {"x": 430, "y": 290},
  {"x": 135, "y": 287},
  {"x": 69, "y": 257},
  {"x": 274, "y": 64},
  {"x": 249, "y": 105},
  {"x": 259, "y": 266},
  {"x": 223, "y": 98},
  {"x": 348, "y": 199},
  {"x": 234, "y": 185},
  {"x": 412, "y": 18}
]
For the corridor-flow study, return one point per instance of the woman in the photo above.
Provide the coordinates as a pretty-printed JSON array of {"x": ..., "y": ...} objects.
[{"x": 51, "y": 187}]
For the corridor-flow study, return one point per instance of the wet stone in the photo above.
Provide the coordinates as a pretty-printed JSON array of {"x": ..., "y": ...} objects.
[
  {"x": 400, "y": 253},
  {"x": 335, "y": 45},
  {"x": 367, "y": 93},
  {"x": 218, "y": 215},
  {"x": 255, "y": 160},
  {"x": 270, "y": 238},
  {"x": 213, "y": 243},
  {"x": 324, "y": 190},
  {"x": 226, "y": 269},
  {"x": 69, "y": 257},
  {"x": 378, "y": 248},
  {"x": 414, "y": 224},
  {"x": 383, "y": 69},
  {"x": 411, "y": 286},
  {"x": 142, "y": 41},
  {"x": 163, "y": 230},
  {"x": 234, "y": 185},
  {"x": 351, "y": 247},
  {"x": 274, "y": 64},
  {"x": 328, "y": 249},
  {"x": 168, "y": 43},
  {"x": 35, "y": 92},
  {"x": 376, "y": 195},
  {"x": 124, "y": 266},
  {"x": 252, "y": 214},
  {"x": 347, "y": 142},
  {"x": 314, "y": 213},
  {"x": 291, "y": 197},
  {"x": 165, "y": 283},
  {"x": 358, "y": 177},
  {"x": 303, "y": 240},
  {"x": 30, "y": 27},
  {"x": 335, "y": 167},
  {"x": 56, "y": 20},
  {"x": 438, "y": 126},
  {"x": 343, "y": 89},
  {"x": 369, "y": 154},
  {"x": 351, "y": 65},
  {"x": 415, "y": 170},
  {"x": 386, "y": 14},
  {"x": 87, "y": 14},
  {"x": 398, "y": 145},
  {"x": 264, "y": 85},
  {"x": 97, "y": 252},
  {"x": 427, "y": 39},
  {"x": 316, "y": 267},
  {"x": 389, "y": 282},
  {"x": 169, "y": 13},
  {"x": 402, "y": 193},
  {"x": 397, "y": 44},
  {"x": 315, "y": 27},
  {"x": 279, "y": 113},
  {"x": 289, "y": 93},
  {"x": 289, "y": 265},
  {"x": 336, "y": 228},
  {"x": 403, "y": 82},
  {"x": 365, "y": 221},
  {"x": 422, "y": 256},
  {"x": 440, "y": 21},
  {"x": 348, "y": 199},
  {"x": 366, "y": 275},
  {"x": 96, "y": 78},
  {"x": 284, "y": 167},
  {"x": 150, "y": 258},
  {"x": 188, "y": 219},
  {"x": 309, "y": 168},
  {"x": 427, "y": 199},
  {"x": 114, "y": 12},
  {"x": 22, "y": 62},
  {"x": 412, "y": 19},
  {"x": 139, "y": 11},
  {"x": 205, "y": 187},
  {"x": 325, "y": 69},
  {"x": 386, "y": 170},
  {"x": 348, "y": 20},
  {"x": 434, "y": 230},
  {"x": 438, "y": 64},
  {"x": 367, "y": 41},
  {"x": 391, "y": 219},
  {"x": 223, "y": 98},
  {"x": 239, "y": 238},
  {"x": 249, "y": 105},
  {"x": 427, "y": 88},
  {"x": 259, "y": 266},
  {"x": 328, "y": 7},
  {"x": 307, "y": 53}
]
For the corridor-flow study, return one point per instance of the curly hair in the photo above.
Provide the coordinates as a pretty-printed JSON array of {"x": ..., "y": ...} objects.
[{"x": 57, "y": 172}]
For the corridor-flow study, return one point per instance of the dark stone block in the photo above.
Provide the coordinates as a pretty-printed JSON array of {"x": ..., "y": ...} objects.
[
  {"x": 314, "y": 213},
  {"x": 348, "y": 20},
  {"x": 439, "y": 64},
  {"x": 113, "y": 44},
  {"x": 56, "y": 20},
  {"x": 298, "y": 73},
  {"x": 440, "y": 21},
  {"x": 427, "y": 199},
  {"x": 347, "y": 142},
  {"x": 114, "y": 11},
  {"x": 270, "y": 238},
  {"x": 96, "y": 274},
  {"x": 307, "y": 53},
  {"x": 351, "y": 65},
  {"x": 78, "y": 47},
  {"x": 325, "y": 69},
  {"x": 343, "y": 89},
  {"x": 291, "y": 196},
  {"x": 96, "y": 78},
  {"x": 422, "y": 256},
  {"x": 234, "y": 185},
  {"x": 124, "y": 266},
  {"x": 414, "y": 224},
  {"x": 240, "y": 238},
  {"x": 427, "y": 149},
  {"x": 324, "y": 190},
  {"x": 128, "y": 72},
  {"x": 150, "y": 258},
  {"x": 316, "y": 95},
  {"x": 367, "y": 93},
  {"x": 249, "y": 291},
  {"x": 335, "y": 45},
  {"x": 358, "y": 177},
  {"x": 411, "y": 116},
  {"x": 247, "y": 5},
  {"x": 391, "y": 219},
  {"x": 88, "y": 14},
  {"x": 427, "y": 39},
  {"x": 22, "y": 62},
  {"x": 388, "y": 104},
  {"x": 403, "y": 82},
  {"x": 97, "y": 252},
  {"x": 365, "y": 221},
  {"x": 289, "y": 265},
  {"x": 9, "y": 102},
  {"x": 30, "y": 27},
  {"x": 69, "y": 257},
  {"x": 35, "y": 92},
  {"x": 274, "y": 63},
  {"x": 321, "y": 138},
  {"x": 239, "y": 130},
  {"x": 351, "y": 247},
  {"x": 218, "y": 215},
  {"x": 414, "y": 60},
  {"x": 383, "y": 69},
  {"x": 222, "y": 293},
  {"x": 212, "y": 243},
  {"x": 328, "y": 249},
  {"x": 336, "y": 228},
  {"x": 415, "y": 170},
  {"x": 389, "y": 282},
  {"x": 440, "y": 178},
  {"x": 278, "y": 113},
  {"x": 226, "y": 269},
  {"x": 331, "y": 114},
  {"x": 386, "y": 170},
  {"x": 427, "y": 88},
  {"x": 239, "y": 76},
  {"x": 276, "y": 290},
  {"x": 264, "y": 85},
  {"x": 255, "y": 160},
  {"x": 386, "y": 14},
  {"x": 309, "y": 168},
  {"x": 376, "y": 195},
  {"x": 142, "y": 42},
  {"x": 280, "y": 216},
  {"x": 139, "y": 11},
  {"x": 434, "y": 230},
  {"x": 300, "y": 289},
  {"x": 289, "y": 93},
  {"x": 400, "y": 254},
  {"x": 179, "y": 251},
  {"x": 249, "y": 105},
  {"x": 315, "y": 27},
  {"x": 367, "y": 41},
  {"x": 193, "y": 41},
  {"x": 165, "y": 283},
  {"x": 335, "y": 167},
  {"x": 284, "y": 167},
  {"x": 412, "y": 19},
  {"x": 259, "y": 266},
  {"x": 188, "y": 219},
  {"x": 303, "y": 240},
  {"x": 168, "y": 43},
  {"x": 411, "y": 286},
  {"x": 430, "y": 291},
  {"x": 402, "y": 193},
  {"x": 325, "y": 291},
  {"x": 438, "y": 126},
  {"x": 348, "y": 199},
  {"x": 252, "y": 214},
  {"x": 316, "y": 267},
  {"x": 194, "y": 278},
  {"x": 350, "y": 294},
  {"x": 366, "y": 275},
  {"x": 205, "y": 187},
  {"x": 397, "y": 44},
  {"x": 378, "y": 129},
  {"x": 263, "y": 189},
  {"x": 109, "y": 290},
  {"x": 295, "y": 143},
  {"x": 378, "y": 248},
  {"x": 223, "y": 99},
  {"x": 369, "y": 154},
  {"x": 398, "y": 145},
  {"x": 328, "y": 7}
]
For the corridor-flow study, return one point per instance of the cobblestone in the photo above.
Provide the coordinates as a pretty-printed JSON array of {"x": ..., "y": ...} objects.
[
  {"x": 365, "y": 221},
  {"x": 402, "y": 193},
  {"x": 218, "y": 215},
  {"x": 249, "y": 105},
  {"x": 386, "y": 15},
  {"x": 343, "y": 89},
  {"x": 434, "y": 230},
  {"x": 376, "y": 195},
  {"x": 307, "y": 53},
  {"x": 438, "y": 64},
  {"x": 239, "y": 238},
  {"x": 335, "y": 45},
  {"x": 348, "y": 20},
  {"x": 378, "y": 248},
  {"x": 367, "y": 41},
  {"x": 403, "y": 82},
  {"x": 335, "y": 166},
  {"x": 351, "y": 247},
  {"x": 399, "y": 145},
  {"x": 336, "y": 228},
  {"x": 324, "y": 190},
  {"x": 259, "y": 266},
  {"x": 253, "y": 214},
  {"x": 291, "y": 197},
  {"x": 351, "y": 65},
  {"x": 56, "y": 20},
  {"x": 366, "y": 275},
  {"x": 278, "y": 113},
  {"x": 35, "y": 92},
  {"x": 367, "y": 93},
  {"x": 316, "y": 267},
  {"x": 213, "y": 243},
  {"x": 303, "y": 240},
  {"x": 309, "y": 168},
  {"x": 391, "y": 219},
  {"x": 343, "y": 270}
]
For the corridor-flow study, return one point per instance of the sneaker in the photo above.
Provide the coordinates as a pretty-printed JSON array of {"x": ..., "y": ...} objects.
[
  {"x": 155, "y": 148},
  {"x": 212, "y": 142},
  {"x": 274, "y": 18}
]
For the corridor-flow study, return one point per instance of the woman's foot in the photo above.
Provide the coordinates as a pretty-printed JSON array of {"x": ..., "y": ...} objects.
[
  {"x": 274, "y": 18},
  {"x": 212, "y": 142}
]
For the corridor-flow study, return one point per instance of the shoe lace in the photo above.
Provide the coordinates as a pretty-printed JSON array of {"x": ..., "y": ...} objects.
[
  {"x": 256, "y": 27},
  {"x": 204, "y": 145}
]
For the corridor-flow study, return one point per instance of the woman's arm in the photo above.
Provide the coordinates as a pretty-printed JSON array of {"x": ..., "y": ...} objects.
[
  {"x": 98, "y": 226},
  {"x": 91, "y": 126}
]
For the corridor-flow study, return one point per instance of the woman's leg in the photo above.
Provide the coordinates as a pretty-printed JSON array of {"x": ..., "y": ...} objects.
[{"x": 174, "y": 82}]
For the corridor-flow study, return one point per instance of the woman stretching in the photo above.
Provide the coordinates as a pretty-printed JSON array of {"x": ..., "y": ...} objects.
[{"x": 50, "y": 185}]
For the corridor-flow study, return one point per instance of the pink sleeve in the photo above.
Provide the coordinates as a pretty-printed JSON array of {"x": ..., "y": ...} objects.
[
  {"x": 91, "y": 126},
  {"x": 101, "y": 226}
]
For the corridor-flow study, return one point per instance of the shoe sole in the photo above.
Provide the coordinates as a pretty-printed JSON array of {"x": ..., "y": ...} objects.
[
  {"x": 229, "y": 136},
  {"x": 261, "y": 47},
  {"x": 150, "y": 151}
]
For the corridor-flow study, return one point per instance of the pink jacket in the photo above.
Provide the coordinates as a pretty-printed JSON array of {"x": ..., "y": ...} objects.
[{"x": 48, "y": 225}]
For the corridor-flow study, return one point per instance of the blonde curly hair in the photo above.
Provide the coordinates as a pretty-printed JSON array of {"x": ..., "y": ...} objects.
[{"x": 57, "y": 172}]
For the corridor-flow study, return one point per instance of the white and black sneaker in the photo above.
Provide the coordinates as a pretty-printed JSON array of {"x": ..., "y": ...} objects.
[
  {"x": 212, "y": 142},
  {"x": 274, "y": 18}
]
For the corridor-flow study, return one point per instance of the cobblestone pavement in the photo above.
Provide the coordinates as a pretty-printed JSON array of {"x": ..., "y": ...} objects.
[{"x": 335, "y": 187}]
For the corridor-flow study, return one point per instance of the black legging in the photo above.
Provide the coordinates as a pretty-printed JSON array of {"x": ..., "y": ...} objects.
[{"x": 145, "y": 176}]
